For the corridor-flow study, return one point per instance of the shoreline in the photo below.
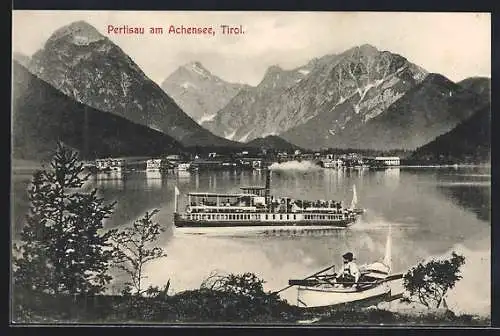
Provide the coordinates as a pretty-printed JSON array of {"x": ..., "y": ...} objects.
[{"x": 445, "y": 166}]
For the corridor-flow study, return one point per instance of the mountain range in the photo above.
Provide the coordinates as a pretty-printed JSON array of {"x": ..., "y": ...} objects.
[
  {"x": 470, "y": 140},
  {"x": 89, "y": 67},
  {"x": 363, "y": 98},
  {"x": 427, "y": 110},
  {"x": 198, "y": 92},
  {"x": 348, "y": 88},
  {"x": 42, "y": 116}
]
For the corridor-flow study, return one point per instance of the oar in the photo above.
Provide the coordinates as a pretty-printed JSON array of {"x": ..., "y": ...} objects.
[{"x": 323, "y": 270}]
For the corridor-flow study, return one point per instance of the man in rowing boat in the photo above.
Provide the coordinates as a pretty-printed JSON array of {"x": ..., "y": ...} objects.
[{"x": 349, "y": 274}]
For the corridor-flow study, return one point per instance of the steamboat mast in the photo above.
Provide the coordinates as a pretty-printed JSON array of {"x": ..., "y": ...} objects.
[{"x": 268, "y": 190}]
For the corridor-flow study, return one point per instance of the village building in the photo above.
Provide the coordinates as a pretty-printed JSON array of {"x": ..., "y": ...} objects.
[
  {"x": 158, "y": 164},
  {"x": 389, "y": 160},
  {"x": 121, "y": 164},
  {"x": 251, "y": 162},
  {"x": 111, "y": 164},
  {"x": 173, "y": 158}
]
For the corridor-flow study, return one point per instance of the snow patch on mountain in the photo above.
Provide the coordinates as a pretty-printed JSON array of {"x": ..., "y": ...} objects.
[
  {"x": 206, "y": 118},
  {"x": 269, "y": 134},
  {"x": 197, "y": 68},
  {"x": 187, "y": 85},
  {"x": 230, "y": 136},
  {"x": 245, "y": 137}
]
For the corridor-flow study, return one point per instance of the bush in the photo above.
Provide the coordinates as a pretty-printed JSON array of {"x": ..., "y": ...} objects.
[
  {"x": 241, "y": 297},
  {"x": 430, "y": 282}
]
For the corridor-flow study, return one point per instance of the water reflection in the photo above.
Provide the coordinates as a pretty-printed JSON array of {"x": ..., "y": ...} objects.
[
  {"x": 113, "y": 180},
  {"x": 197, "y": 181},
  {"x": 154, "y": 179},
  {"x": 226, "y": 176},
  {"x": 183, "y": 175},
  {"x": 477, "y": 199},
  {"x": 392, "y": 177}
]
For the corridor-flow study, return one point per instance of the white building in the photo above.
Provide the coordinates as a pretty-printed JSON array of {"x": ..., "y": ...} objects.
[
  {"x": 332, "y": 163},
  {"x": 110, "y": 164},
  {"x": 389, "y": 160},
  {"x": 154, "y": 164}
]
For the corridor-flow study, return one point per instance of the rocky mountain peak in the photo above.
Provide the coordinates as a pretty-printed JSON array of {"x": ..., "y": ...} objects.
[
  {"x": 273, "y": 69},
  {"x": 198, "y": 92},
  {"x": 21, "y": 58},
  {"x": 367, "y": 49},
  {"x": 78, "y": 32},
  {"x": 361, "y": 53},
  {"x": 273, "y": 74},
  {"x": 197, "y": 68},
  {"x": 89, "y": 67},
  {"x": 313, "y": 62}
]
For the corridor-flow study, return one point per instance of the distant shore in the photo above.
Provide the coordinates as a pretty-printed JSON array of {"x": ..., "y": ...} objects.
[
  {"x": 445, "y": 166},
  {"x": 28, "y": 167}
]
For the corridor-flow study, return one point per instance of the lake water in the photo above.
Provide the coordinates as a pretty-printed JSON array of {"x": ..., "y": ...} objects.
[{"x": 432, "y": 211}]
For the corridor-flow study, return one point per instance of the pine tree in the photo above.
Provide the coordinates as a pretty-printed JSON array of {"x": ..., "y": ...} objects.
[{"x": 63, "y": 249}]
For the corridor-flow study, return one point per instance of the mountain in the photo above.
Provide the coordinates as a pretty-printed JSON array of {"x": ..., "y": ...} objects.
[
  {"x": 87, "y": 66},
  {"x": 21, "y": 58},
  {"x": 348, "y": 88},
  {"x": 272, "y": 142},
  {"x": 198, "y": 92},
  {"x": 247, "y": 116},
  {"x": 425, "y": 111},
  {"x": 42, "y": 115},
  {"x": 469, "y": 142},
  {"x": 479, "y": 85}
]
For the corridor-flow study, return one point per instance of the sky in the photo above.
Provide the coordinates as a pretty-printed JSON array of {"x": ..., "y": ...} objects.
[{"x": 457, "y": 45}]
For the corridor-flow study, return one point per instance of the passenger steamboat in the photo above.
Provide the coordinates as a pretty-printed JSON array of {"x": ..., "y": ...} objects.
[{"x": 254, "y": 207}]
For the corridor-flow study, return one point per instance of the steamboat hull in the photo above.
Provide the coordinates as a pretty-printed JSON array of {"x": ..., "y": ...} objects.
[
  {"x": 189, "y": 223},
  {"x": 236, "y": 231}
]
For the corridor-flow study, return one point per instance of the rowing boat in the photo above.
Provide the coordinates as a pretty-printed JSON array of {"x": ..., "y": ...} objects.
[{"x": 325, "y": 290}]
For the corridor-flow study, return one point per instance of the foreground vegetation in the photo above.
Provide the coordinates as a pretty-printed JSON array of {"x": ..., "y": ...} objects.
[
  {"x": 208, "y": 306},
  {"x": 61, "y": 270}
]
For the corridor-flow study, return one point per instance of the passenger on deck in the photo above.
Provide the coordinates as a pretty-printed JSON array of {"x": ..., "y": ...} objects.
[{"x": 349, "y": 274}]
